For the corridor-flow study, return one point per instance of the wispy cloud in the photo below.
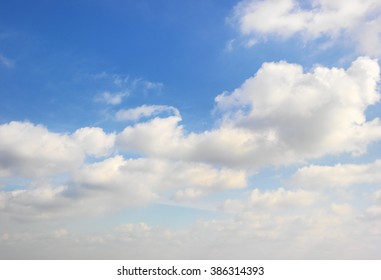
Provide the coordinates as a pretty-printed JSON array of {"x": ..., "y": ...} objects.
[
  {"x": 118, "y": 87},
  {"x": 111, "y": 98},
  {"x": 6, "y": 61},
  {"x": 355, "y": 21},
  {"x": 145, "y": 111}
]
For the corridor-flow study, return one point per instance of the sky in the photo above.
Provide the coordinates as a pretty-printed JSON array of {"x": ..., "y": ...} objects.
[{"x": 212, "y": 129}]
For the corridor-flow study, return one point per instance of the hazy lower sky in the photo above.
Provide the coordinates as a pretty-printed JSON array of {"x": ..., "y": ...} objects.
[{"x": 207, "y": 129}]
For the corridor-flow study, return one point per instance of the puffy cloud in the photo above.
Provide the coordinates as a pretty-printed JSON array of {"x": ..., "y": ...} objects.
[
  {"x": 274, "y": 16},
  {"x": 339, "y": 175},
  {"x": 310, "y": 114},
  {"x": 279, "y": 116},
  {"x": 343, "y": 209},
  {"x": 373, "y": 212},
  {"x": 117, "y": 183},
  {"x": 143, "y": 177},
  {"x": 94, "y": 141},
  {"x": 282, "y": 198},
  {"x": 38, "y": 202},
  {"x": 356, "y": 21},
  {"x": 377, "y": 196},
  {"x": 31, "y": 150},
  {"x": 273, "y": 200},
  {"x": 144, "y": 112},
  {"x": 166, "y": 138},
  {"x": 160, "y": 136},
  {"x": 188, "y": 194}
]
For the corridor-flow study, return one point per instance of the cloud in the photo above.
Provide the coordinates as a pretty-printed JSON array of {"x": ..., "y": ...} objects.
[
  {"x": 273, "y": 200},
  {"x": 30, "y": 150},
  {"x": 323, "y": 233},
  {"x": 115, "y": 183},
  {"x": 282, "y": 198},
  {"x": 137, "y": 181},
  {"x": 339, "y": 175},
  {"x": 111, "y": 98},
  {"x": 36, "y": 203},
  {"x": 6, "y": 61},
  {"x": 314, "y": 113},
  {"x": 145, "y": 111},
  {"x": 148, "y": 85},
  {"x": 279, "y": 116},
  {"x": 188, "y": 194},
  {"x": 356, "y": 21},
  {"x": 94, "y": 141},
  {"x": 116, "y": 87},
  {"x": 373, "y": 212},
  {"x": 33, "y": 151}
]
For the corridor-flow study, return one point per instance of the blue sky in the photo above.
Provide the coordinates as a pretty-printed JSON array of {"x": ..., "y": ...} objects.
[{"x": 200, "y": 125}]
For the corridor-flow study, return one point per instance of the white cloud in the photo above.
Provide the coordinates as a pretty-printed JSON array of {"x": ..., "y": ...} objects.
[
  {"x": 273, "y": 200},
  {"x": 309, "y": 114},
  {"x": 38, "y": 202},
  {"x": 116, "y": 183},
  {"x": 145, "y": 111},
  {"x": 31, "y": 150},
  {"x": 356, "y": 21},
  {"x": 373, "y": 212},
  {"x": 145, "y": 179},
  {"x": 324, "y": 233},
  {"x": 377, "y": 196},
  {"x": 282, "y": 198},
  {"x": 279, "y": 116},
  {"x": 188, "y": 194},
  {"x": 94, "y": 141},
  {"x": 343, "y": 209},
  {"x": 339, "y": 175}
]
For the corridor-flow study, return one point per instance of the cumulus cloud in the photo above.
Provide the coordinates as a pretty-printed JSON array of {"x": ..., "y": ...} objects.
[
  {"x": 273, "y": 200},
  {"x": 282, "y": 198},
  {"x": 94, "y": 141},
  {"x": 31, "y": 150},
  {"x": 373, "y": 212},
  {"x": 145, "y": 111},
  {"x": 339, "y": 175},
  {"x": 115, "y": 183},
  {"x": 144, "y": 179},
  {"x": 279, "y": 116},
  {"x": 314, "y": 113},
  {"x": 36, "y": 202},
  {"x": 356, "y": 21}
]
